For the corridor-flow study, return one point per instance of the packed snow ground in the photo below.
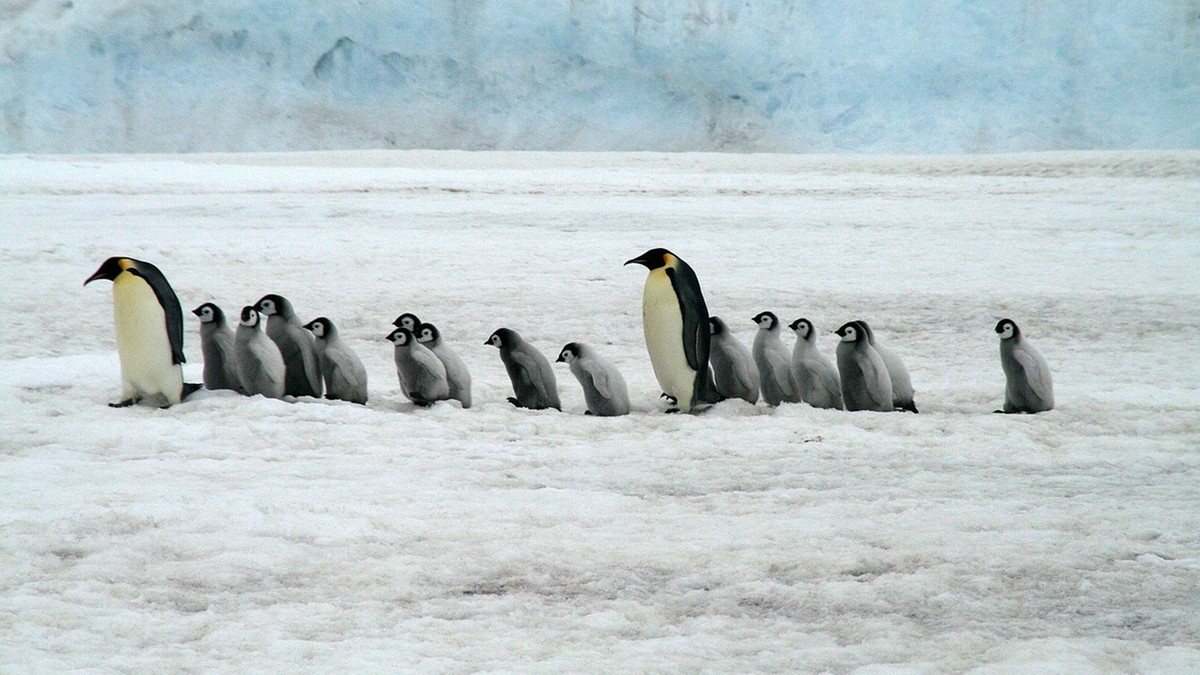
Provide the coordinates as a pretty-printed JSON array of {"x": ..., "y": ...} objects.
[{"x": 229, "y": 533}]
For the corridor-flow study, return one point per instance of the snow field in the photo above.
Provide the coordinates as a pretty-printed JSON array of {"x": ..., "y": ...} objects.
[{"x": 234, "y": 533}]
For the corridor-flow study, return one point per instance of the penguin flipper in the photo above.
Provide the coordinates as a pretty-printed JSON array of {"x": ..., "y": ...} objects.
[
  {"x": 872, "y": 374},
  {"x": 1036, "y": 373},
  {"x": 529, "y": 369},
  {"x": 172, "y": 311},
  {"x": 695, "y": 316},
  {"x": 599, "y": 378}
]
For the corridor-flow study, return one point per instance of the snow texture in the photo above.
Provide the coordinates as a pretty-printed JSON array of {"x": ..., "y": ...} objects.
[
  {"x": 911, "y": 76},
  {"x": 237, "y": 534}
]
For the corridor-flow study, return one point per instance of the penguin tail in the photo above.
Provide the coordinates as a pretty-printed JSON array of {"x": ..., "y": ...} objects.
[
  {"x": 706, "y": 389},
  {"x": 907, "y": 407}
]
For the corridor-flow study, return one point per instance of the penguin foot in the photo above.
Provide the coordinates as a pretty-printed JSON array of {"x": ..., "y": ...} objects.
[
  {"x": 672, "y": 411},
  {"x": 123, "y": 404},
  {"x": 588, "y": 412},
  {"x": 670, "y": 399},
  {"x": 190, "y": 388},
  {"x": 514, "y": 401}
]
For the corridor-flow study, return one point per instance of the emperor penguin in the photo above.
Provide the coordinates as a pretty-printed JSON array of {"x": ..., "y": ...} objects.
[
  {"x": 774, "y": 362},
  {"x": 149, "y": 330},
  {"x": 259, "y": 364},
  {"x": 344, "y": 373},
  {"x": 865, "y": 381},
  {"x": 457, "y": 375},
  {"x": 902, "y": 389},
  {"x": 422, "y": 375},
  {"x": 296, "y": 345},
  {"x": 604, "y": 389},
  {"x": 216, "y": 343},
  {"x": 407, "y": 320},
  {"x": 816, "y": 378},
  {"x": 734, "y": 372},
  {"x": 1027, "y": 388},
  {"x": 675, "y": 323},
  {"x": 532, "y": 377}
]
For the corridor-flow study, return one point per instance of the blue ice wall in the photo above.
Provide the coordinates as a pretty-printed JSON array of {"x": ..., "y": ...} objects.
[{"x": 912, "y": 76}]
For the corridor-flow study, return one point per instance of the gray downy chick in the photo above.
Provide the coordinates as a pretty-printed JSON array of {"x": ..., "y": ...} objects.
[
  {"x": 604, "y": 389},
  {"x": 296, "y": 345},
  {"x": 344, "y": 374},
  {"x": 422, "y": 375},
  {"x": 865, "y": 381},
  {"x": 216, "y": 343},
  {"x": 814, "y": 374},
  {"x": 260, "y": 366},
  {"x": 532, "y": 377}
]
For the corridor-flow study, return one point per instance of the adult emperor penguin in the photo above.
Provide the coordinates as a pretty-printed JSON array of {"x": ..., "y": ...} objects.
[
  {"x": 296, "y": 345},
  {"x": 774, "y": 362},
  {"x": 814, "y": 374},
  {"x": 604, "y": 389},
  {"x": 457, "y": 375},
  {"x": 259, "y": 364},
  {"x": 532, "y": 377},
  {"x": 216, "y": 343},
  {"x": 1027, "y": 388},
  {"x": 902, "y": 389},
  {"x": 344, "y": 374},
  {"x": 734, "y": 372},
  {"x": 675, "y": 322},
  {"x": 865, "y": 381},
  {"x": 149, "y": 329},
  {"x": 422, "y": 375}
]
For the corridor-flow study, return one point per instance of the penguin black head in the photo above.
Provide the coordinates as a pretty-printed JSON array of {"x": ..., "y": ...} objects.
[
  {"x": 427, "y": 332},
  {"x": 400, "y": 337},
  {"x": 1007, "y": 329},
  {"x": 250, "y": 317},
  {"x": 654, "y": 258},
  {"x": 803, "y": 327},
  {"x": 851, "y": 332},
  {"x": 407, "y": 320},
  {"x": 767, "y": 320},
  {"x": 321, "y": 327},
  {"x": 716, "y": 326},
  {"x": 865, "y": 329},
  {"x": 569, "y": 353},
  {"x": 209, "y": 313},
  {"x": 273, "y": 305},
  {"x": 503, "y": 337}
]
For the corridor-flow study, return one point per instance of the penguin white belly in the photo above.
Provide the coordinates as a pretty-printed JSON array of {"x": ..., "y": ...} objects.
[
  {"x": 662, "y": 322},
  {"x": 142, "y": 343}
]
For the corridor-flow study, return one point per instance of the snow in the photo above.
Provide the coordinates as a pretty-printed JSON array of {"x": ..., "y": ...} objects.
[
  {"x": 239, "y": 534},
  {"x": 908, "y": 76}
]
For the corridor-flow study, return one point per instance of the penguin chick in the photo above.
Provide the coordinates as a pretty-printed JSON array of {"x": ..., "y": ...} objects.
[
  {"x": 774, "y": 362},
  {"x": 457, "y": 375},
  {"x": 902, "y": 389},
  {"x": 1027, "y": 388},
  {"x": 815, "y": 377},
  {"x": 296, "y": 345},
  {"x": 216, "y": 343},
  {"x": 865, "y": 381},
  {"x": 407, "y": 320},
  {"x": 604, "y": 389},
  {"x": 345, "y": 376},
  {"x": 422, "y": 375},
  {"x": 260, "y": 366},
  {"x": 734, "y": 372},
  {"x": 532, "y": 377},
  {"x": 149, "y": 328},
  {"x": 675, "y": 323}
]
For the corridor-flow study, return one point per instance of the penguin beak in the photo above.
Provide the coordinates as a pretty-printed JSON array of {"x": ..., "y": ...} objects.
[
  {"x": 637, "y": 260},
  {"x": 560, "y": 359}
]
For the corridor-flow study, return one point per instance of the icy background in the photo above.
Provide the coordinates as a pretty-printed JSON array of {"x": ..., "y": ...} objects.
[
  {"x": 925, "y": 76},
  {"x": 230, "y": 534}
]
